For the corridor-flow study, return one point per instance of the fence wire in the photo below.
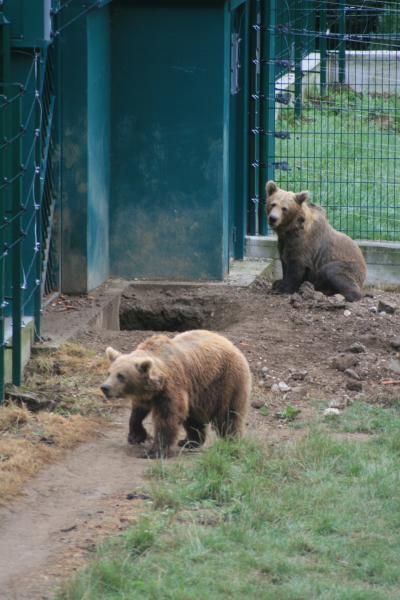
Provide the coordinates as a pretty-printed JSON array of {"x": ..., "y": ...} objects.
[{"x": 334, "y": 111}]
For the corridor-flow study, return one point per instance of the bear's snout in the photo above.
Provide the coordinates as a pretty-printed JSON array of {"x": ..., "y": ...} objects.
[
  {"x": 106, "y": 389},
  {"x": 272, "y": 219}
]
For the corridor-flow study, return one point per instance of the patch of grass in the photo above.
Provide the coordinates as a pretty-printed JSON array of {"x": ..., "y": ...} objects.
[
  {"x": 318, "y": 518},
  {"x": 343, "y": 149},
  {"x": 288, "y": 414},
  {"x": 361, "y": 417}
]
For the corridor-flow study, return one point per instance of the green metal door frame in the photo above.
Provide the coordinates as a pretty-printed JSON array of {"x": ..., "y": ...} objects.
[{"x": 238, "y": 127}]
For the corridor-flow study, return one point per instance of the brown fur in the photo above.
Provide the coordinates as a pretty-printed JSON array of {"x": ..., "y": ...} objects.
[
  {"x": 310, "y": 249},
  {"x": 196, "y": 378}
]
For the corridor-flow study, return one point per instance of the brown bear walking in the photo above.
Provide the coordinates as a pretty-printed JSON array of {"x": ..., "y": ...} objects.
[
  {"x": 310, "y": 249},
  {"x": 196, "y": 378}
]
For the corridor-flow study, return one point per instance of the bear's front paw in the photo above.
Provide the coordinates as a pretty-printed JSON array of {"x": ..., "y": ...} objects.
[{"x": 137, "y": 437}]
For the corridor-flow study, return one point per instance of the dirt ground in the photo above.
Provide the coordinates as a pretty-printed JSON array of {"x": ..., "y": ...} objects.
[{"x": 306, "y": 352}]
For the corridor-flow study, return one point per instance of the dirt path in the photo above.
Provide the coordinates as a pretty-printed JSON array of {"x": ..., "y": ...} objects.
[
  {"x": 302, "y": 343},
  {"x": 66, "y": 510}
]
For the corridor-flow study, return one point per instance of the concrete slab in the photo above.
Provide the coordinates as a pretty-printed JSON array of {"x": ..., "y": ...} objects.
[
  {"x": 382, "y": 258},
  {"x": 243, "y": 272}
]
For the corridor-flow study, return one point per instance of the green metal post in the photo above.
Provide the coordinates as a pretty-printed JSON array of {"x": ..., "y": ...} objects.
[
  {"x": 298, "y": 55},
  {"x": 257, "y": 117},
  {"x": 264, "y": 105},
  {"x": 270, "y": 15},
  {"x": 4, "y": 77},
  {"x": 37, "y": 297},
  {"x": 254, "y": 92},
  {"x": 322, "y": 46},
  {"x": 17, "y": 246},
  {"x": 342, "y": 43},
  {"x": 246, "y": 117}
]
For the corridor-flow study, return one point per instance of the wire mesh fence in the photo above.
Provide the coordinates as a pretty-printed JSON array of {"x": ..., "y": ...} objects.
[
  {"x": 29, "y": 181},
  {"x": 27, "y": 196},
  {"x": 333, "y": 112}
]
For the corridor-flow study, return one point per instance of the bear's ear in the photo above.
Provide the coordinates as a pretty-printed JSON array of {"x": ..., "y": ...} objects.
[
  {"x": 302, "y": 196},
  {"x": 145, "y": 366},
  {"x": 112, "y": 354},
  {"x": 271, "y": 188}
]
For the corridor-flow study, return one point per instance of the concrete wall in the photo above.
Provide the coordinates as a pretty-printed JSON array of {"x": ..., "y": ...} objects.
[
  {"x": 371, "y": 71},
  {"x": 383, "y": 258}
]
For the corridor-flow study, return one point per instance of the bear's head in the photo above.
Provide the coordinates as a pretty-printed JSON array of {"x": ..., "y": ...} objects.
[
  {"x": 135, "y": 374},
  {"x": 284, "y": 208}
]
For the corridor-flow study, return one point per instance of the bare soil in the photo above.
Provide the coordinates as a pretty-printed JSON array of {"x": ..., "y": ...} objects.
[{"x": 305, "y": 352}]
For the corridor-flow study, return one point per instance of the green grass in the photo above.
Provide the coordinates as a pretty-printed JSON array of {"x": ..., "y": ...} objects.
[
  {"x": 344, "y": 149},
  {"x": 317, "y": 518}
]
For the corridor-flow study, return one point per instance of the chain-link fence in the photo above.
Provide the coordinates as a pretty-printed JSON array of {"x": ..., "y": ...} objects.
[{"x": 330, "y": 122}]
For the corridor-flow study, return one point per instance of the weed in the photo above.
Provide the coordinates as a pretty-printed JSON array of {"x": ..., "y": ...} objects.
[{"x": 288, "y": 414}]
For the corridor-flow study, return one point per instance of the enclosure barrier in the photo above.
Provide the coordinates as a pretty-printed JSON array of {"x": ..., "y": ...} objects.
[
  {"x": 27, "y": 199},
  {"x": 29, "y": 182},
  {"x": 325, "y": 113}
]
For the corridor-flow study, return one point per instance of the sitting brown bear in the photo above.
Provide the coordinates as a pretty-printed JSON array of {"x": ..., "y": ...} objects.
[
  {"x": 196, "y": 378},
  {"x": 310, "y": 249}
]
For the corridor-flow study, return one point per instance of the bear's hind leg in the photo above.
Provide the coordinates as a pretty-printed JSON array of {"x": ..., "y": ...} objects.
[
  {"x": 335, "y": 278},
  {"x": 195, "y": 434},
  {"x": 229, "y": 424}
]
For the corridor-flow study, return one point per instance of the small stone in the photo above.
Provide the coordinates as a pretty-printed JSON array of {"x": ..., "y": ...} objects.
[
  {"x": 283, "y": 387},
  {"x": 395, "y": 343},
  {"x": 351, "y": 373},
  {"x": 264, "y": 370},
  {"x": 275, "y": 388},
  {"x": 331, "y": 412},
  {"x": 387, "y": 307},
  {"x": 295, "y": 298},
  {"x": 339, "y": 298},
  {"x": 338, "y": 403},
  {"x": 382, "y": 313},
  {"x": 319, "y": 296},
  {"x": 257, "y": 403},
  {"x": 394, "y": 365},
  {"x": 357, "y": 348},
  {"x": 373, "y": 309},
  {"x": 299, "y": 375},
  {"x": 261, "y": 383},
  {"x": 307, "y": 291},
  {"x": 354, "y": 386},
  {"x": 346, "y": 313},
  {"x": 343, "y": 362}
]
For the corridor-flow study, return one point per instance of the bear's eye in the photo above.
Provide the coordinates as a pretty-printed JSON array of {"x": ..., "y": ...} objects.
[
  {"x": 273, "y": 204},
  {"x": 284, "y": 209},
  {"x": 120, "y": 377}
]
